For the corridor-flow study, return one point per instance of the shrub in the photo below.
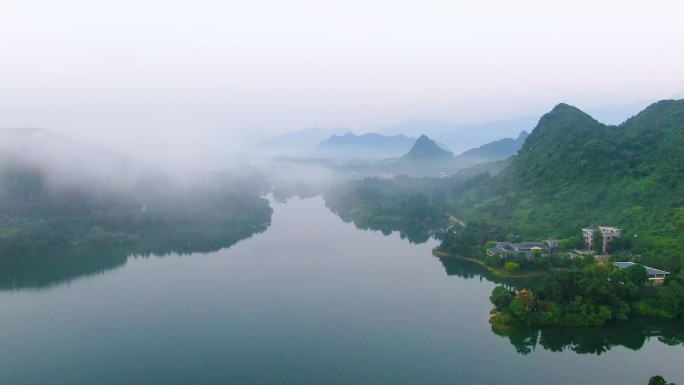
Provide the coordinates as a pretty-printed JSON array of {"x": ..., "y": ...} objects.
[{"x": 512, "y": 267}]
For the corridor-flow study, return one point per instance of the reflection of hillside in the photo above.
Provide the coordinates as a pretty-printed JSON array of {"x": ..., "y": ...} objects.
[
  {"x": 37, "y": 270},
  {"x": 630, "y": 334},
  {"x": 49, "y": 269},
  {"x": 415, "y": 233}
]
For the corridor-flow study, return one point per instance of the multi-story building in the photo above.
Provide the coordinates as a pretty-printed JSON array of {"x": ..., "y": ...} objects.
[{"x": 609, "y": 233}]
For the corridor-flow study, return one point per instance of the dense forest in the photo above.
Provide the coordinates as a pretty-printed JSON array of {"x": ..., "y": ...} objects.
[{"x": 590, "y": 296}]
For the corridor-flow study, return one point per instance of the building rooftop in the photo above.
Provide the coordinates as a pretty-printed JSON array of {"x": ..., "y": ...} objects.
[
  {"x": 602, "y": 228},
  {"x": 649, "y": 270}
]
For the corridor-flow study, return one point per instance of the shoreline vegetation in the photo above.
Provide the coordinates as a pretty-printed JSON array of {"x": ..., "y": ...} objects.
[
  {"x": 631, "y": 333},
  {"x": 572, "y": 291}
]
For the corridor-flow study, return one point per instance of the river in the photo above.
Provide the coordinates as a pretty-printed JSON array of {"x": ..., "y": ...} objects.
[{"x": 312, "y": 300}]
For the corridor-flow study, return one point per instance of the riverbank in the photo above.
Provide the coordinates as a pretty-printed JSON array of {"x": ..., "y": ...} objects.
[{"x": 499, "y": 273}]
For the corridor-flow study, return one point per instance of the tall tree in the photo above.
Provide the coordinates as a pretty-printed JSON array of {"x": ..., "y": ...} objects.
[{"x": 597, "y": 243}]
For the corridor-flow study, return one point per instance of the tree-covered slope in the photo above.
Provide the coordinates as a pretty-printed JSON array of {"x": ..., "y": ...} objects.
[
  {"x": 565, "y": 143},
  {"x": 574, "y": 172}
]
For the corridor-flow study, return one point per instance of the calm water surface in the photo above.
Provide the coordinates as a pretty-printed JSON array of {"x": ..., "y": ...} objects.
[{"x": 312, "y": 300}]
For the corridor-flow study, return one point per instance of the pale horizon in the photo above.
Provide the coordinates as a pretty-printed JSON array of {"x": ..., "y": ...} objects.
[{"x": 136, "y": 74}]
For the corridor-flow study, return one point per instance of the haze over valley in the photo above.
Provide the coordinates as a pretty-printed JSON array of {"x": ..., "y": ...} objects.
[{"x": 357, "y": 192}]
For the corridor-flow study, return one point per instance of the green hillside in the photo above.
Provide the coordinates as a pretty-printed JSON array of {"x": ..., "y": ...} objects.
[{"x": 573, "y": 172}]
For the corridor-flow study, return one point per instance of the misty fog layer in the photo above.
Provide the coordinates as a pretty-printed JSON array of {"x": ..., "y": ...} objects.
[
  {"x": 70, "y": 208},
  {"x": 294, "y": 192},
  {"x": 192, "y": 84}
]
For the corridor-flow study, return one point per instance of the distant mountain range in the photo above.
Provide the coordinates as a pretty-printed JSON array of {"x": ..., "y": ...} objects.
[
  {"x": 426, "y": 158},
  {"x": 461, "y": 137},
  {"x": 391, "y": 141},
  {"x": 454, "y": 136},
  {"x": 366, "y": 146},
  {"x": 359, "y": 154}
]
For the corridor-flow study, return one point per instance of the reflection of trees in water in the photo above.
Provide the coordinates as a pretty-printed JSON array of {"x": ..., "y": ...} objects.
[
  {"x": 631, "y": 334},
  {"x": 50, "y": 268},
  {"x": 523, "y": 339},
  {"x": 414, "y": 233},
  {"x": 45, "y": 270},
  {"x": 468, "y": 269}
]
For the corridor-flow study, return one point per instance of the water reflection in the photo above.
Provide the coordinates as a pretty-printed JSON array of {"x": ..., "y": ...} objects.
[
  {"x": 45, "y": 270},
  {"x": 631, "y": 334},
  {"x": 468, "y": 269},
  {"x": 414, "y": 233},
  {"x": 41, "y": 269}
]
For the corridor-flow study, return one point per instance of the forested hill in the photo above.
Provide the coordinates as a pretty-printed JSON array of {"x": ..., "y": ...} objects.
[
  {"x": 562, "y": 140},
  {"x": 573, "y": 171},
  {"x": 68, "y": 209}
]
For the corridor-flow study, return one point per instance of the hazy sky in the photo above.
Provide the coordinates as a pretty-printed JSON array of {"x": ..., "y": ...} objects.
[{"x": 131, "y": 70}]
